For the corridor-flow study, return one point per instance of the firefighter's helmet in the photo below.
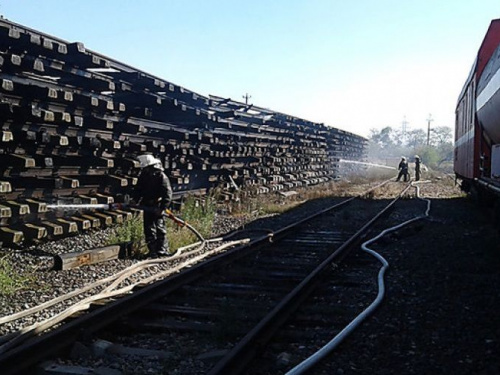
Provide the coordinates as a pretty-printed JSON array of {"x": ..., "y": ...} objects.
[{"x": 148, "y": 160}]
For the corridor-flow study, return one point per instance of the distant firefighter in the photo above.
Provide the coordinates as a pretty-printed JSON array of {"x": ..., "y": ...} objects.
[
  {"x": 417, "y": 168},
  {"x": 403, "y": 169}
]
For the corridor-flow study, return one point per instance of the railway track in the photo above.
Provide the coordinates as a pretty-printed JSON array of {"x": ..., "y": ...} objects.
[{"x": 217, "y": 316}]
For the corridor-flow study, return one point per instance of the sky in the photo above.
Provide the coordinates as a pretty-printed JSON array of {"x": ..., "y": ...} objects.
[{"x": 356, "y": 65}]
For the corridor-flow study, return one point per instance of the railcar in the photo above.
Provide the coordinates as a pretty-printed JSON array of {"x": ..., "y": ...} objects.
[{"x": 477, "y": 121}]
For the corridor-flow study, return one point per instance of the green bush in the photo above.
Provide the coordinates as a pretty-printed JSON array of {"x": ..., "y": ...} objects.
[
  {"x": 130, "y": 232},
  {"x": 429, "y": 156},
  {"x": 199, "y": 213},
  {"x": 10, "y": 282}
]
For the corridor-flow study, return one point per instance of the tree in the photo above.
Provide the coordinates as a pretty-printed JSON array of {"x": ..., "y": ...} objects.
[
  {"x": 429, "y": 156},
  {"x": 416, "y": 138},
  {"x": 440, "y": 136},
  {"x": 382, "y": 138},
  {"x": 389, "y": 143}
]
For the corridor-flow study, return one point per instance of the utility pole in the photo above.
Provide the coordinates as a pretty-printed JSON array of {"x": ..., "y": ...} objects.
[
  {"x": 404, "y": 126},
  {"x": 246, "y": 97},
  {"x": 429, "y": 119}
]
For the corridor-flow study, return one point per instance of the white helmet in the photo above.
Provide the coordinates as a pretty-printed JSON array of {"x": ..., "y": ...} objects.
[{"x": 147, "y": 160}]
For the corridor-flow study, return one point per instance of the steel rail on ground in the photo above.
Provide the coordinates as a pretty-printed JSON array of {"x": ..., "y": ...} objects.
[{"x": 236, "y": 360}]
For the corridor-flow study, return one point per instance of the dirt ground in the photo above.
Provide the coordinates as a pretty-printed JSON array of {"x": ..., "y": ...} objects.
[{"x": 441, "y": 312}]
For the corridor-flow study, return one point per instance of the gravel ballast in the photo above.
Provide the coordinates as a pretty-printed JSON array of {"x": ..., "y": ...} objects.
[{"x": 440, "y": 313}]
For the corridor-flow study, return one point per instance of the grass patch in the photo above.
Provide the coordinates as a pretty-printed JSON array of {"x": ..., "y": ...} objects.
[
  {"x": 197, "y": 212},
  {"x": 278, "y": 208},
  {"x": 130, "y": 232},
  {"x": 10, "y": 282},
  {"x": 251, "y": 203},
  {"x": 274, "y": 203}
]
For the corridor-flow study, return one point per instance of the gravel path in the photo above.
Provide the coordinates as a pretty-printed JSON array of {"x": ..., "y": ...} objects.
[{"x": 440, "y": 314}]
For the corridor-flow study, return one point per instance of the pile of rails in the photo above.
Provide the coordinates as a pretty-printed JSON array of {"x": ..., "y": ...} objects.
[{"x": 73, "y": 122}]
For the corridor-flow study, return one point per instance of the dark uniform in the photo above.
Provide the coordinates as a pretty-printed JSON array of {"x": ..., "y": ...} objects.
[
  {"x": 153, "y": 191},
  {"x": 417, "y": 168},
  {"x": 403, "y": 169}
]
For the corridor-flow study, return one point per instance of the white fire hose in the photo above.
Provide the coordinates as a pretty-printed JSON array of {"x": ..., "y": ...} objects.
[{"x": 308, "y": 363}]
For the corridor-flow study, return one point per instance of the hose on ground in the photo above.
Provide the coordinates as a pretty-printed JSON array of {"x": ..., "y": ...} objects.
[
  {"x": 311, "y": 361},
  {"x": 14, "y": 339}
]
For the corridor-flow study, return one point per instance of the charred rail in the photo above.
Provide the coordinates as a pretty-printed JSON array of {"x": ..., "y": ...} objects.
[{"x": 73, "y": 122}]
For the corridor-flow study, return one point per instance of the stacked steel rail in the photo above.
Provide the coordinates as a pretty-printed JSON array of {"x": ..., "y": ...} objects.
[{"x": 73, "y": 122}]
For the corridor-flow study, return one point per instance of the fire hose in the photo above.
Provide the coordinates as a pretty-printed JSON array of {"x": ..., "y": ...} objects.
[{"x": 118, "y": 206}]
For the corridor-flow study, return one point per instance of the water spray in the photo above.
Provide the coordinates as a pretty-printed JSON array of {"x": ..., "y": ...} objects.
[
  {"x": 366, "y": 164},
  {"x": 80, "y": 206}
]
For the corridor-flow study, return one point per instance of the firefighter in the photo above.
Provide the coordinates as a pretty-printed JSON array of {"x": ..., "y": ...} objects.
[
  {"x": 403, "y": 169},
  {"x": 417, "y": 168},
  {"x": 154, "y": 192}
]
